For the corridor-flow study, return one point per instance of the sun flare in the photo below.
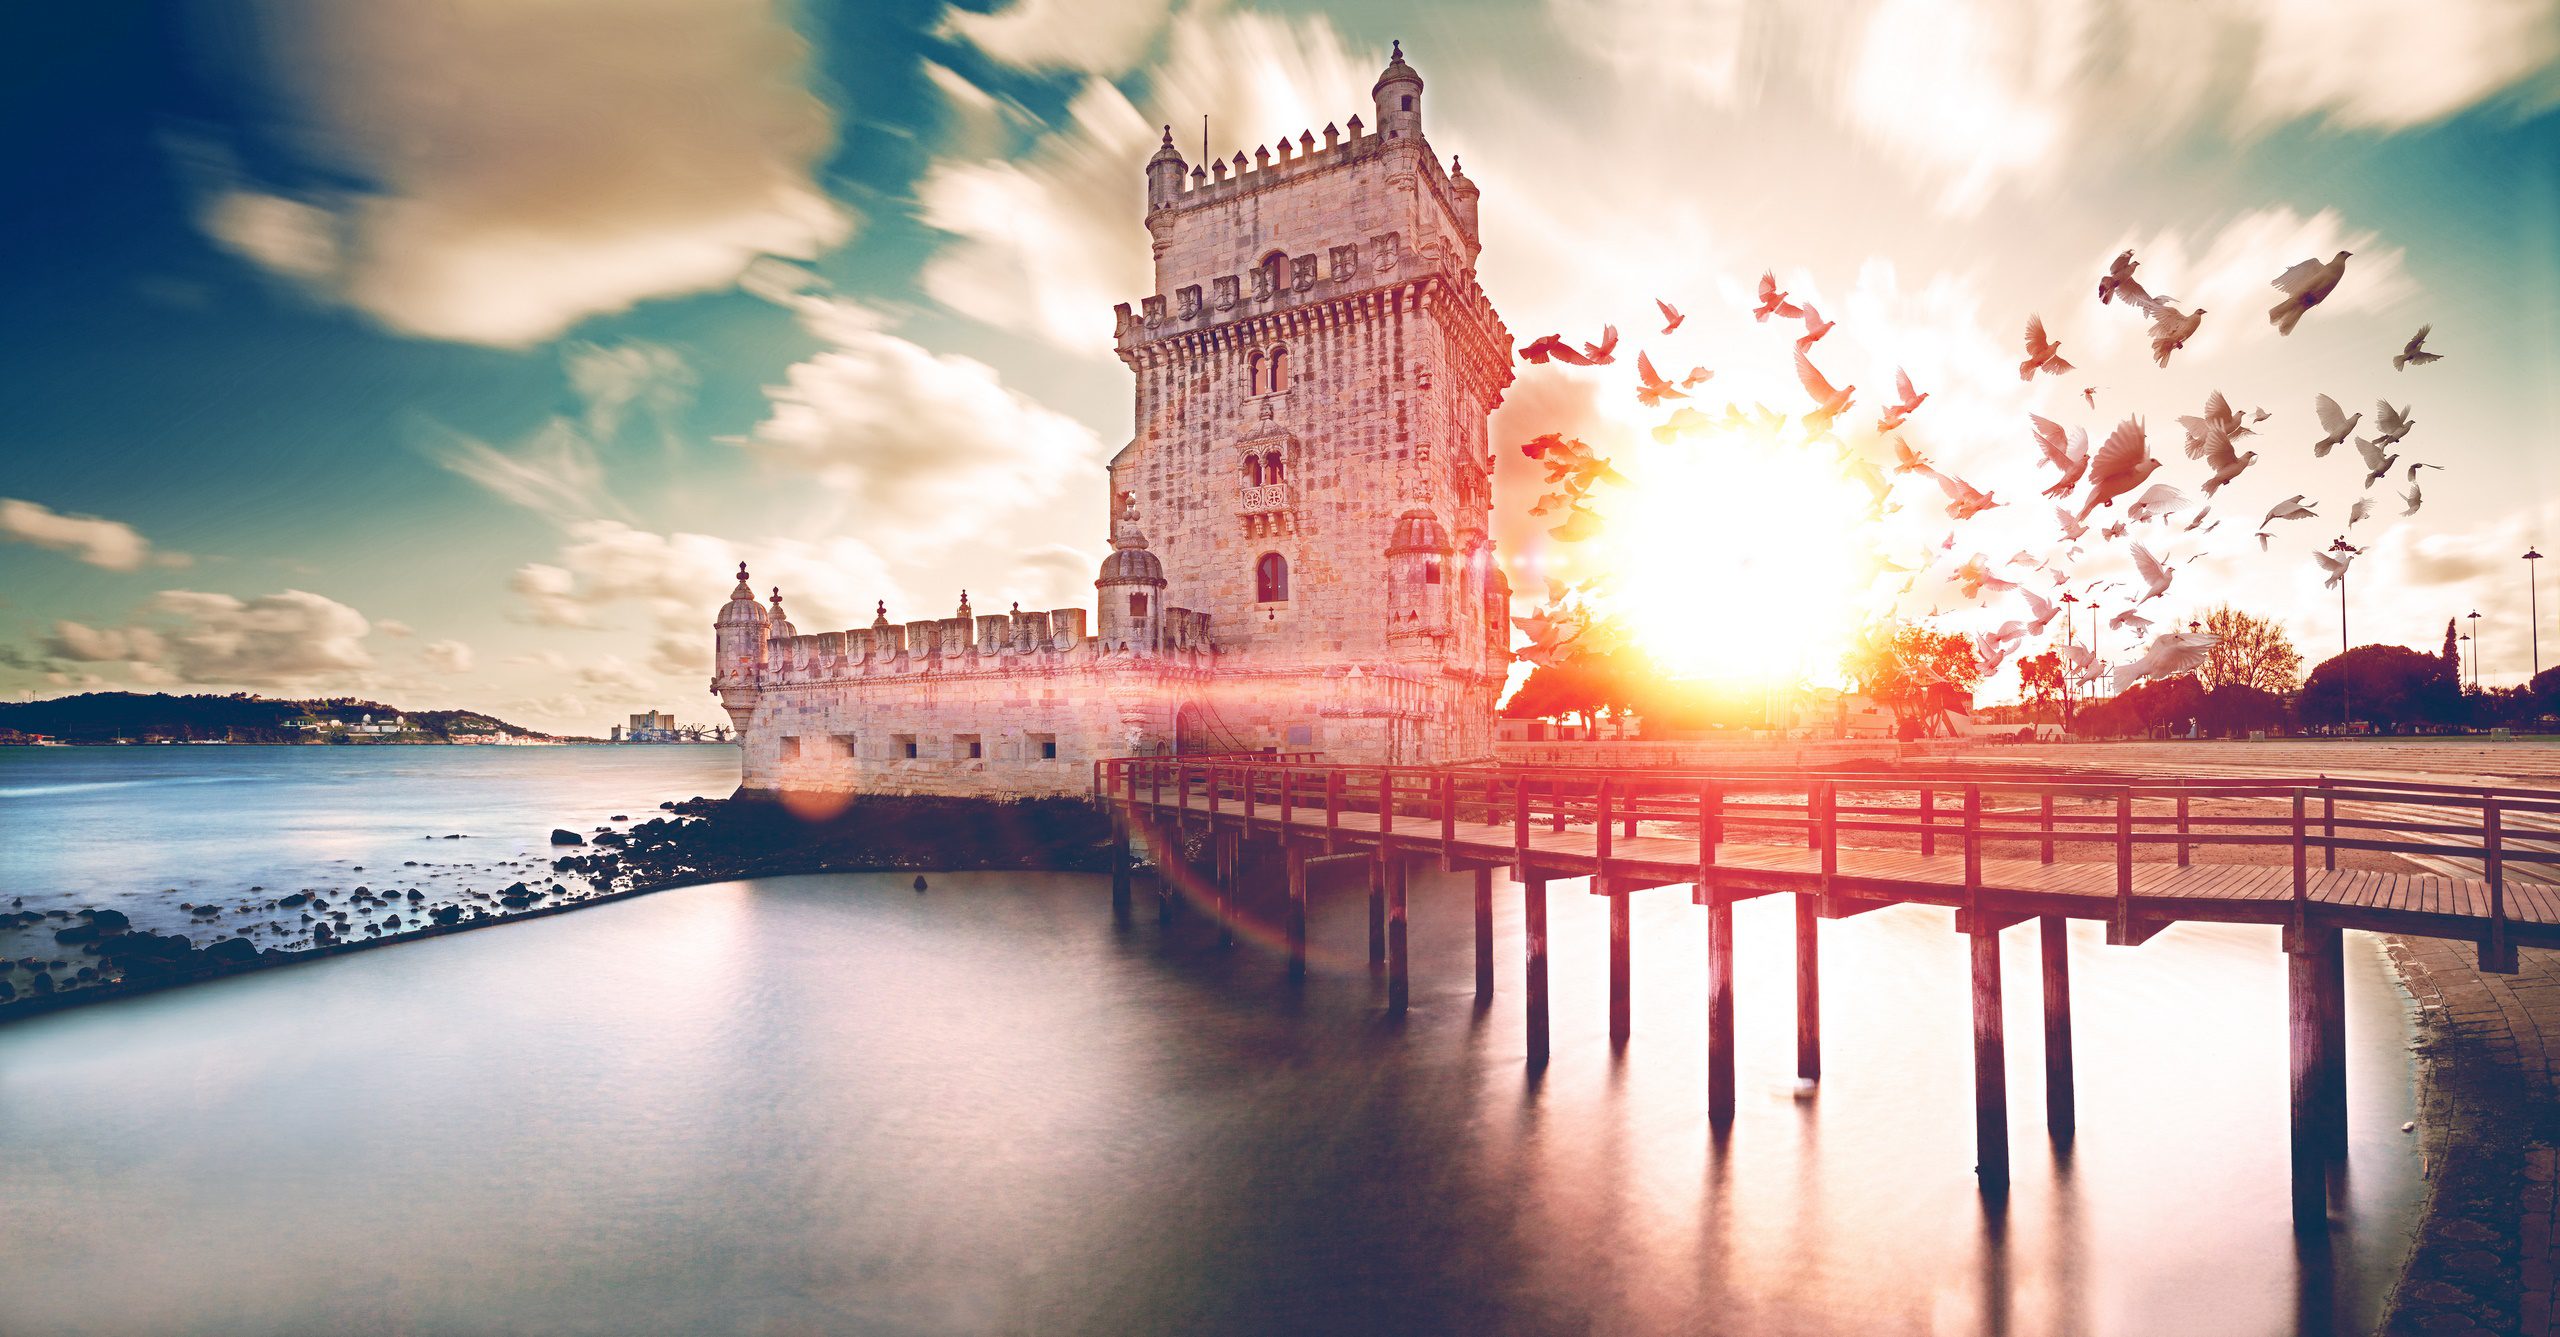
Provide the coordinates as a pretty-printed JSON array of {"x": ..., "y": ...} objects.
[{"x": 1736, "y": 558}]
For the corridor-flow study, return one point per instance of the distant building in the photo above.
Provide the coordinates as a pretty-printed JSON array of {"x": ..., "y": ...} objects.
[
  {"x": 1301, "y": 553},
  {"x": 652, "y": 721}
]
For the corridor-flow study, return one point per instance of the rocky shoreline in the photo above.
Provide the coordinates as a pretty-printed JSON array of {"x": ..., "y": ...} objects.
[{"x": 58, "y": 958}]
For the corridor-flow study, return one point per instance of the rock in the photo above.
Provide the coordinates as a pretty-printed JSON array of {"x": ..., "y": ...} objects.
[
  {"x": 232, "y": 952},
  {"x": 7, "y": 991},
  {"x": 919, "y": 883},
  {"x": 391, "y": 921},
  {"x": 76, "y": 933},
  {"x": 323, "y": 935},
  {"x": 565, "y": 836},
  {"x": 297, "y": 898},
  {"x": 416, "y": 895},
  {"x": 621, "y": 817},
  {"x": 42, "y": 984},
  {"x": 447, "y": 914},
  {"x": 110, "y": 921},
  {"x": 207, "y": 911}
]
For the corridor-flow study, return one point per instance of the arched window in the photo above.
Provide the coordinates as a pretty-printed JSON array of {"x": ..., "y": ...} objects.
[
  {"x": 1271, "y": 579},
  {"x": 1276, "y": 266},
  {"x": 1253, "y": 474},
  {"x": 1279, "y": 377},
  {"x": 1431, "y": 571},
  {"x": 1272, "y": 470},
  {"x": 1138, "y": 604},
  {"x": 1257, "y": 373}
]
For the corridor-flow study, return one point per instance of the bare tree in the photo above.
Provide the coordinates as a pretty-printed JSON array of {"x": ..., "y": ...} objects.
[{"x": 2253, "y": 652}]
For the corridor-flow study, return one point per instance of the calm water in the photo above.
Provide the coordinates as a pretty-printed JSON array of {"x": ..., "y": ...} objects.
[{"x": 830, "y": 1104}]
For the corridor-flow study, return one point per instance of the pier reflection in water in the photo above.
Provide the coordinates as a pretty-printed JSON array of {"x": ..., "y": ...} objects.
[{"x": 829, "y": 1103}]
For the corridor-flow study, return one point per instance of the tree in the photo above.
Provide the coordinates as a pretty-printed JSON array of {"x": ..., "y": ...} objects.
[
  {"x": 1916, "y": 673},
  {"x": 2253, "y": 652},
  {"x": 2383, "y": 684},
  {"x": 2040, "y": 678},
  {"x": 2233, "y": 711}
]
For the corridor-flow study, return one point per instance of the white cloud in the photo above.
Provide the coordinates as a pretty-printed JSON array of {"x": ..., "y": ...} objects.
[
  {"x": 612, "y": 379},
  {"x": 2383, "y": 64},
  {"x": 447, "y": 656},
  {"x": 103, "y": 645},
  {"x": 389, "y": 626},
  {"x": 679, "y": 579},
  {"x": 111, "y": 544},
  {"x": 532, "y": 165},
  {"x": 1062, "y": 34},
  {"x": 275, "y": 639},
  {"x": 554, "y": 471},
  {"x": 923, "y": 447},
  {"x": 1048, "y": 242}
]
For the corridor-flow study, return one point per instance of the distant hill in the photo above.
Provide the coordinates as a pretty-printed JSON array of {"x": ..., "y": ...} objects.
[{"x": 101, "y": 717}]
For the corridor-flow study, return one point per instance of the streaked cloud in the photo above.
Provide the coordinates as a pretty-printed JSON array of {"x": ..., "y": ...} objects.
[
  {"x": 528, "y": 166},
  {"x": 109, "y": 544},
  {"x": 1062, "y": 34}
]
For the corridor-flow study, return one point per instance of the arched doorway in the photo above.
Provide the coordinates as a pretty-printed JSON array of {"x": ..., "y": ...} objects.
[{"x": 1191, "y": 732}]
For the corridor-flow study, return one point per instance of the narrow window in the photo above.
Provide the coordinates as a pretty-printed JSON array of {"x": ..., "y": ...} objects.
[
  {"x": 966, "y": 745},
  {"x": 1279, "y": 379},
  {"x": 1408, "y": 102},
  {"x": 905, "y": 744},
  {"x": 1253, "y": 474},
  {"x": 1271, "y": 579},
  {"x": 1044, "y": 746},
  {"x": 1276, "y": 267},
  {"x": 1257, "y": 373},
  {"x": 1137, "y": 605},
  {"x": 1431, "y": 571},
  {"x": 1272, "y": 472},
  {"x": 790, "y": 748}
]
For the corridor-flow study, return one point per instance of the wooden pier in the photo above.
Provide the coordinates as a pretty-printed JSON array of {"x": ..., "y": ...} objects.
[{"x": 2000, "y": 852}]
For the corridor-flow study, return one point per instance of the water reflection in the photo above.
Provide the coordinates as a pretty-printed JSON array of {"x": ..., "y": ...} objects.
[{"x": 832, "y": 1104}]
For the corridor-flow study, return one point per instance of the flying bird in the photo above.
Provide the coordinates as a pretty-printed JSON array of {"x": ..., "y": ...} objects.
[
  {"x": 2119, "y": 467},
  {"x": 2129, "y": 620},
  {"x": 2357, "y": 513},
  {"x": 2291, "y": 508},
  {"x": 2072, "y": 529},
  {"x": 2169, "y": 656},
  {"x": 2119, "y": 276},
  {"x": 2377, "y": 465},
  {"x": 2198, "y": 520},
  {"x": 1975, "y": 576},
  {"x": 2411, "y": 497},
  {"x": 2421, "y": 464},
  {"x": 1772, "y": 301},
  {"x": 1684, "y": 421},
  {"x": 1964, "y": 501},
  {"x": 2090, "y": 393},
  {"x": 1909, "y": 402},
  {"x": 1547, "y": 346},
  {"x": 2335, "y": 566},
  {"x": 2113, "y": 531},
  {"x": 1651, "y": 389},
  {"x": 1909, "y": 461},
  {"x": 2042, "y": 607},
  {"x": 2305, "y": 286},
  {"x": 2219, "y": 416},
  {"x": 2390, "y": 424},
  {"x": 1604, "y": 352},
  {"x": 1828, "y": 403},
  {"x": 2068, "y": 452},
  {"x": 2170, "y": 330},
  {"x": 1697, "y": 376},
  {"x": 1671, "y": 316},
  {"x": 1814, "y": 327},
  {"x": 2337, "y": 422},
  {"x": 2214, "y": 449},
  {"x": 2414, "y": 352},
  {"x": 2157, "y": 502},
  {"x": 2043, "y": 354}
]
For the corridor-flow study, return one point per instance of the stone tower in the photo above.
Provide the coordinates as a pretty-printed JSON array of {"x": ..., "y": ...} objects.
[{"x": 1310, "y": 469}]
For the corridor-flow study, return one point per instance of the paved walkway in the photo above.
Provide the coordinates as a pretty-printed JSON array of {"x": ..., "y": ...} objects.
[{"x": 2484, "y": 1260}]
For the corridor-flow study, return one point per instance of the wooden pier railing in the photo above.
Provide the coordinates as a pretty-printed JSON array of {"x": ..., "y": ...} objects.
[{"x": 1997, "y": 849}]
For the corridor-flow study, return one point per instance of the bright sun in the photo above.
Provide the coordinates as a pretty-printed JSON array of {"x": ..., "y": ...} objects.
[{"x": 1735, "y": 558}]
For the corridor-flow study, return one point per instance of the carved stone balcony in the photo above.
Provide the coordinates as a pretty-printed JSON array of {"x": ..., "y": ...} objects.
[{"x": 1266, "y": 497}]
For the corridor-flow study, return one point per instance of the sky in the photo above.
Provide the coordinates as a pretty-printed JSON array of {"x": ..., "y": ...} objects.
[{"x": 454, "y": 354}]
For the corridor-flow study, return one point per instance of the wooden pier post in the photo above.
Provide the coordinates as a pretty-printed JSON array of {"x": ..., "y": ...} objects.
[
  {"x": 1808, "y": 990},
  {"x": 1378, "y": 908},
  {"x": 2333, "y": 1037},
  {"x": 1533, "y": 904},
  {"x": 1620, "y": 1013},
  {"x": 1484, "y": 935},
  {"x": 1230, "y": 848},
  {"x": 2305, "y": 1008},
  {"x": 1719, "y": 1009},
  {"x": 1120, "y": 876},
  {"x": 1399, "y": 988},
  {"x": 1990, "y": 1064},
  {"x": 1168, "y": 858},
  {"x": 1296, "y": 858},
  {"x": 2061, "y": 1109}
]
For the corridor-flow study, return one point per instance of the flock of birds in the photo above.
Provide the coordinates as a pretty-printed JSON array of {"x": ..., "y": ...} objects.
[{"x": 2118, "y": 475}]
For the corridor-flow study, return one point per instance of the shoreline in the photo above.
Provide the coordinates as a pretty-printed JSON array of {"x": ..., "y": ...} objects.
[{"x": 2483, "y": 1256}]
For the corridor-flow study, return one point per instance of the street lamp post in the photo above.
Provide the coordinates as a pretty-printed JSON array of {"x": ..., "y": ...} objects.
[
  {"x": 2070, "y": 638},
  {"x": 2474, "y": 638},
  {"x": 2533, "y": 597},
  {"x": 2346, "y": 680}
]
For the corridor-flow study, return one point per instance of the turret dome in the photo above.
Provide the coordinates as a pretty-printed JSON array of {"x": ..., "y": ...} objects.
[{"x": 1417, "y": 530}]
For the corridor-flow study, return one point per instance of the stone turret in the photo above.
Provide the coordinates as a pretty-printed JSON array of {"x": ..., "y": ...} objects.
[
  {"x": 1131, "y": 591},
  {"x": 1398, "y": 94},
  {"x": 1464, "y": 189},
  {"x": 740, "y": 631},
  {"x": 1417, "y": 586},
  {"x": 1164, "y": 175},
  {"x": 779, "y": 628}
]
